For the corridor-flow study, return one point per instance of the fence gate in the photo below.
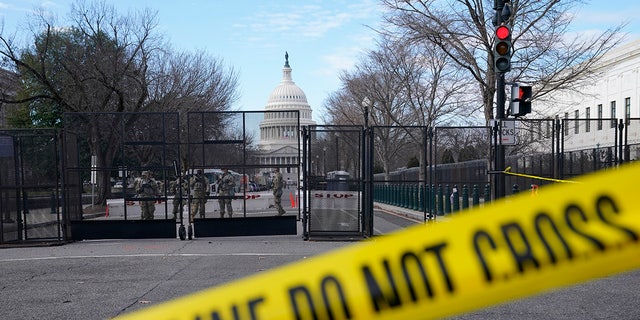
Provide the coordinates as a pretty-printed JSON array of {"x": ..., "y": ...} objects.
[
  {"x": 333, "y": 182},
  {"x": 29, "y": 187}
]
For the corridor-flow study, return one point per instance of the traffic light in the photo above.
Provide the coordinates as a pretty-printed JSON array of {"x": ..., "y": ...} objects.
[
  {"x": 520, "y": 100},
  {"x": 503, "y": 12},
  {"x": 502, "y": 50}
]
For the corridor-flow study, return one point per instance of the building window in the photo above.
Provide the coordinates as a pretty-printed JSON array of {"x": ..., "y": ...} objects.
[
  {"x": 599, "y": 117},
  {"x": 587, "y": 113},
  {"x": 566, "y": 122},
  {"x": 613, "y": 114},
  {"x": 627, "y": 109},
  {"x": 576, "y": 116}
]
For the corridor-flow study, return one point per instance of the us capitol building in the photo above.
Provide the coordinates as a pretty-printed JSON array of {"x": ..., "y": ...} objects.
[{"x": 279, "y": 131}]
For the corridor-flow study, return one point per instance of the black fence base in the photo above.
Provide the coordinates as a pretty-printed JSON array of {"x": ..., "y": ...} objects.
[
  {"x": 251, "y": 226},
  {"x": 123, "y": 229},
  {"x": 336, "y": 236}
]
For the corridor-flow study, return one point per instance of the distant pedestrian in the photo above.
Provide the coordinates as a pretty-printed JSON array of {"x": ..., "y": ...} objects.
[
  {"x": 277, "y": 190},
  {"x": 200, "y": 186},
  {"x": 226, "y": 190},
  {"x": 147, "y": 189}
]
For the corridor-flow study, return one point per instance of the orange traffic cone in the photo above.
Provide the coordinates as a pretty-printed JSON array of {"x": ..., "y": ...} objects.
[{"x": 292, "y": 199}]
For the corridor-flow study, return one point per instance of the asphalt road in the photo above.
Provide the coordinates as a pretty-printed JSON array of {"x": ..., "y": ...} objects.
[{"x": 102, "y": 279}]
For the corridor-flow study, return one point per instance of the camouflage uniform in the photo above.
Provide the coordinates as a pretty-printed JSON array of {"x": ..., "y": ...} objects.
[
  {"x": 200, "y": 186},
  {"x": 226, "y": 186},
  {"x": 146, "y": 187},
  {"x": 277, "y": 191},
  {"x": 175, "y": 190}
]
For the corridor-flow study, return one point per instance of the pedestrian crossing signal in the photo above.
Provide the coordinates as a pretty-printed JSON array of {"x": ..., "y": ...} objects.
[{"x": 520, "y": 100}]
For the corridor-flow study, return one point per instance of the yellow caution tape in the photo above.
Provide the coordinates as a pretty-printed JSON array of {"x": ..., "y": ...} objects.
[
  {"x": 514, "y": 248},
  {"x": 508, "y": 171}
]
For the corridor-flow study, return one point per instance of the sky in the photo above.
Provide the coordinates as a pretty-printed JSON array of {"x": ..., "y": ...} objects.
[{"x": 322, "y": 37}]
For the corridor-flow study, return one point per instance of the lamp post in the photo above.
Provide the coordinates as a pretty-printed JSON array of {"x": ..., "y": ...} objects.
[
  {"x": 324, "y": 161},
  {"x": 337, "y": 153},
  {"x": 317, "y": 164},
  {"x": 367, "y": 172},
  {"x": 365, "y": 103}
]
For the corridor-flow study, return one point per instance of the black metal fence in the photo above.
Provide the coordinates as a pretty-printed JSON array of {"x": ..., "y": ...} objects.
[
  {"x": 462, "y": 171},
  {"x": 333, "y": 182},
  {"x": 110, "y": 152},
  {"x": 31, "y": 208},
  {"x": 53, "y": 182}
]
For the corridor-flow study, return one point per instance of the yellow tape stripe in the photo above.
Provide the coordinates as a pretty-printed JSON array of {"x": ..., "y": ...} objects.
[
  {"x": 508, "y": 171},
  {"x": 512, "y": 248}
]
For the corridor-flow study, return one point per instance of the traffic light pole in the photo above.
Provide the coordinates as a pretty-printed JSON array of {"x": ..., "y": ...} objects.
[
  {"x": 502, "y": 64},
  {"x": 499, "y": 187}
]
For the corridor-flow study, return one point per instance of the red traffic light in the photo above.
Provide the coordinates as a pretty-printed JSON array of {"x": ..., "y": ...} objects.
[
  {"x": 502, "y": 50},
  {"x": 503, "y": 32}
]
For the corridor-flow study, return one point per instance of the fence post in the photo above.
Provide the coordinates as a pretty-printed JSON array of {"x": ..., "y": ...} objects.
[
  {"x": 432, "y": 200},
  {"x": 414, "y": 197},
  {"x": 465, "y": 197},
  {"x": 396, "y": 195},
  {"x": 440, "y": 201},
  {"x": 406, "y": 194},
  {"x": 387, "y": 193},
  {"x": 487, "y": 193},
  {"x": 476, "y": 195},
  {"x": 455, "y": 199},
  {"x": 421, "y": 198},
  {"x": 447, "y": 202}
]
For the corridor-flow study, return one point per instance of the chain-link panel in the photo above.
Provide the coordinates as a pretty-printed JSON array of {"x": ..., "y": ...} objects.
[
  {"x": 29, "y": 193},
  {"x": 334, "y": 183}
]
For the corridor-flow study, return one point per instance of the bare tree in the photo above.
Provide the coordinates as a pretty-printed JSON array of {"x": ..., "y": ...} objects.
[
  {"x": 193, "y": 82},
  {"x": 542, "y": 55},
  {"x": 184, "y": 82},
  {"x": 106, "y": 62},
  {"x": 372, "y": 81},
  {"x": 403, "y": 85}
]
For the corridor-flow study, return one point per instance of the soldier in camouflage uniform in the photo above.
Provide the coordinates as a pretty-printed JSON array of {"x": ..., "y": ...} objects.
[
  {"x": 146, "y": 187},
  {"x": 226, "y": 186},
  {"x": 277, "y": 190},
  {"x": 200, "y": 186},
  {"x": 174, "y": 188}
]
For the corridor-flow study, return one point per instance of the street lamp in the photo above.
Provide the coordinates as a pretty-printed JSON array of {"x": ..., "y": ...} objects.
[
  {"x": 324, "y": 161},
  {"x": 365, "y": 103},
  {"x": 337, "y": 153},
  {"x": 317, "y": 164}
]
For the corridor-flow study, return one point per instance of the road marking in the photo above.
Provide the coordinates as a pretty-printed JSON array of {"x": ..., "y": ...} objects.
[{"x": 147, "y": 255}]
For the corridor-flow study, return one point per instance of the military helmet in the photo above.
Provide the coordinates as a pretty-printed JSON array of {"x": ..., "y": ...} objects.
[{"x": 145, "y": 173}]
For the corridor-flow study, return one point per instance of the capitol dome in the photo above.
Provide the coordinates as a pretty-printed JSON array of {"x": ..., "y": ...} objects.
[
  {"x": 287, "y": 93},
  {"x": 288, "y": 96},
  {"x": 286, "y": 111}
]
